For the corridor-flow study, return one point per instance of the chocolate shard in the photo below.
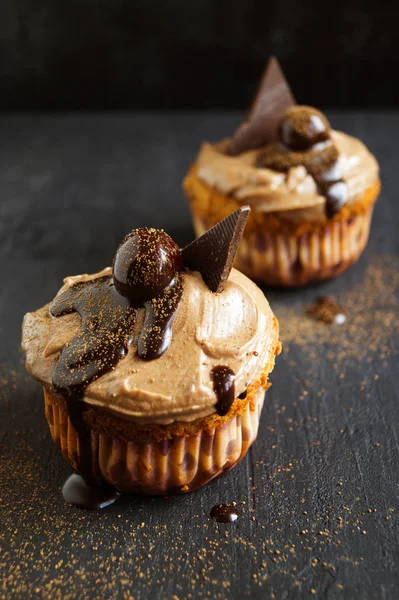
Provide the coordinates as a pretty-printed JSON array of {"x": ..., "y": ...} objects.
[
  {"x": 213, "y": 253},
  {"x": 273, "y": 98}
]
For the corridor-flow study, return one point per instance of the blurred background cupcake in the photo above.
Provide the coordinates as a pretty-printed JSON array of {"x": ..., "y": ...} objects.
[{"x": 311, "y": 189}]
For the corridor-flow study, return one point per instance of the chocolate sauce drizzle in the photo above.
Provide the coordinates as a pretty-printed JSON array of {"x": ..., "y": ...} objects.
[
  {"x": 305, "y": 140},
  {"x": 322, "y": 164},
  {"x": 224, "y": 513},
  {"x": 106, "y": 332},
  {"x": 104, "y": 336},
  {"x": 336, "y": 193},
  {"x": 103, "y": 339},
  {"x": 223, "y": 385},
  {"x": 160, "y": 313}
]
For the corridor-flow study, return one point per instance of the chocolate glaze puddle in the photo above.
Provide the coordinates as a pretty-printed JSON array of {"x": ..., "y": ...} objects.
[
  {"x": 223, "y": 385},
  {"x": 224, "y": 513},
  {"x": 77, "y": 492}
]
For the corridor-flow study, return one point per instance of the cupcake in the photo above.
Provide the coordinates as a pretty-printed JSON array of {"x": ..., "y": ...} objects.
[
  {"x": 311, "y": 189},
  {"x": 154, "y": 370}
]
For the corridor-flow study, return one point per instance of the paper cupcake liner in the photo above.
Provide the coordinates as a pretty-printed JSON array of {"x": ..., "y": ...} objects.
[
  {"x": 180, "y": 464},
  {"x": 292, "y": 260}
]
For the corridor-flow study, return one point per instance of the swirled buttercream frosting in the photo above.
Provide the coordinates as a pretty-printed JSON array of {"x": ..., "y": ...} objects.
[
  {"x": 235, "y": 328},
  {"x": 294, "y": 189}
]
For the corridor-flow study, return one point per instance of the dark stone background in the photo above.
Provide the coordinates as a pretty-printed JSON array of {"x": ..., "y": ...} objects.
[
  {"x": 317, "y": 494},
  {"x": 90, "y": 54}
]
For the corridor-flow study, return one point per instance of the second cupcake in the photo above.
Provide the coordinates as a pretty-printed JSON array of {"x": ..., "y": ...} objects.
[{"x": 311, "y": 189}]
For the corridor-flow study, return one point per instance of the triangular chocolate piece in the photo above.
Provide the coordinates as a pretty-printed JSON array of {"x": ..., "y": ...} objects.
[
  {"x": 213, "y": 253},
  {"x": 273, "y": 98}
]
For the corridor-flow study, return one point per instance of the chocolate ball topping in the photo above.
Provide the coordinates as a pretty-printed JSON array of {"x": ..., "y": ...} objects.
[
  {"x": 302, "y": 127},
  {"x": 145, "y": 263}
]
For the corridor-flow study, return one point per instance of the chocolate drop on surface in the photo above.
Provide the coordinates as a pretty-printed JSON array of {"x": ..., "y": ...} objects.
[
  {"x": 213, "y": 253},
  {"x": 243, "y": 395},
  {"x": 223, "y": 385},
  {"x": 260, "y": 127},
  {"x": 224, "y": 513},
  {"x": 77, "y": 492},
  {"x": 327, "y": 310}
]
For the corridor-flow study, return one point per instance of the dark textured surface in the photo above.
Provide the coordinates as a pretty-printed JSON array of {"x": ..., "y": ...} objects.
[
  {"x": 114, "y": 54},
  {"x": 325, "y": 467}
]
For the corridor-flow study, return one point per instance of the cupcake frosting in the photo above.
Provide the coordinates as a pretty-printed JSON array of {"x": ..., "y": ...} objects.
[
  {"x": 292, "y": 191},
  {"x": 234, "y": 328}
]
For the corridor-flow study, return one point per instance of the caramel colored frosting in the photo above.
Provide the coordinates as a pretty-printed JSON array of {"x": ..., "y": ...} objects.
[
  {"x": 235, "y": 328},
  {"x": 296, "y": 191}
]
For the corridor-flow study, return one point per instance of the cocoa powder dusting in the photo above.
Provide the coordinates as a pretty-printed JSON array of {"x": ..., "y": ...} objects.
[
  {"x": 304, "y": 533},
  {"x": 371, "y": 319},
  {"x": 327, "y": 310}
]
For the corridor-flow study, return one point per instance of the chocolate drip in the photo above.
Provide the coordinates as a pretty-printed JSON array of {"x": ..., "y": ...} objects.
[
  {"x": 223, "y": 385},
  {"x": 321, "y": 162},
  {"x": 243, "y": 395},
  {"x": 224, "y": 513},
  {"x": 328, "y": 178},
  {"x": 102, "y": 340},
  {"x": 160, "y": 312},
  {"x": 336, "y": 194},
  {"x": 76, "y": 410}
]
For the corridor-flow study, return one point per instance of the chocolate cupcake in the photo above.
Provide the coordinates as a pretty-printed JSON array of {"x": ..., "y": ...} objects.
[
  {"x": 154, "y": 371},
  {"x": 311, "y": 189}
]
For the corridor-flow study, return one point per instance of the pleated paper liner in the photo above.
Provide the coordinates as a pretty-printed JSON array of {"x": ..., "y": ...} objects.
[
  {"x": 290, "y": 260},
  {"x": 279, "y": 256},
  {"x": 180, "y": 464}
]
